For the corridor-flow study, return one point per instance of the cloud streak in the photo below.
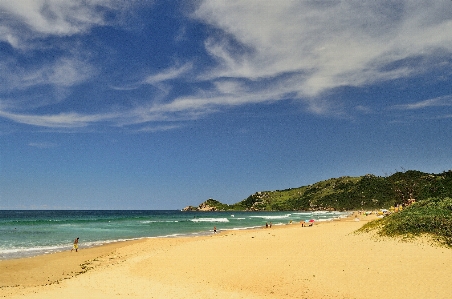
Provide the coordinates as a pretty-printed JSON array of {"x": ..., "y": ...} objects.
[
  {"x": 61, "y": 120},
  {"x": 168, "y": 74},
  {"x": 445, "y": 101}
]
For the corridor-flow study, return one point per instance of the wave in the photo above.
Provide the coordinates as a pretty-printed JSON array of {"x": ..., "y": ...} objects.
[
  {"x": 32, "y": 249},
  {"x": 20, "y": 252},
  {"x": 158, "y": 221},
  {"x": 210, "y": 220},
  {"x": 271, "y": 217}
]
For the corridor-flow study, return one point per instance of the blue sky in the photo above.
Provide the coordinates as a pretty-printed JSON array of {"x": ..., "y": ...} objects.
[{"x": 108, "y": 104}]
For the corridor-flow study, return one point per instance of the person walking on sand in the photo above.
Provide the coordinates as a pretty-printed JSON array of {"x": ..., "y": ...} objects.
[
  {"x": 75, "y": 246},
  {"x": 214, "y": 229}
]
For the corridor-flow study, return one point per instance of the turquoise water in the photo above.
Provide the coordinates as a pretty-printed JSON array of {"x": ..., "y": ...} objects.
[{"x": 29, "y": 233}]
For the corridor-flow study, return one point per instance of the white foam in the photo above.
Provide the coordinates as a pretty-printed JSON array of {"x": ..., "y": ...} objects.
[
  {"x": 32, "y": 249},
  {"x": 210, "y": 220},
  {"x": 272, "y": 217},
  {"x": 158, "y": 221}
]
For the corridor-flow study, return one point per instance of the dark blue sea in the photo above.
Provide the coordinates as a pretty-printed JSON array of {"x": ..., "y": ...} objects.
[{"x": 29, "y": 233}]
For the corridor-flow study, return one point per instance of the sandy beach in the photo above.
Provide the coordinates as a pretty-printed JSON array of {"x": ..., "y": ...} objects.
[{"x": 324, "y": 261}]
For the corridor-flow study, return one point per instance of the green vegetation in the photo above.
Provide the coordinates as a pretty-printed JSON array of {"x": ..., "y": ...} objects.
[
  {"x": 431, "y": 216},
  {"x": 347, "y": 193},
  {"x": 218, "y": 205}
]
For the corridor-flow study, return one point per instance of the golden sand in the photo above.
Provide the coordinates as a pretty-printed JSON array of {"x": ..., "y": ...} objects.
[{"x": 324, "y": 261}]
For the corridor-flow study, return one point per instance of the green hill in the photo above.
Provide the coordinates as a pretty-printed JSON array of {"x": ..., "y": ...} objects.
[{"x": 346, "y": 193}]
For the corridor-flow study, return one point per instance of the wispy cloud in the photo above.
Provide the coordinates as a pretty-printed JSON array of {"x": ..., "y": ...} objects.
[
  {"x": 61, "y": 120},
  {"x": 364, "y": 109},
  {"x": 40, "y": 70},
  {"x": 168, "y": 74},
  {"x": 23, "y": 20},
  {"x": 436, "y": 102},
  {"x": 324, "y": 45},
  {"x": 258, "y": 52},
  {"x": 277, "y": 50},
  {"x": 158, "y": 128},
  {"x": 43, "y": 145},
  {"x": 162, "y": 80},
  {"x": 63, "y": 72}
]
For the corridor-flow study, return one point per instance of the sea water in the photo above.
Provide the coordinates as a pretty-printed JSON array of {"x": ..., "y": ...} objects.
[{"x": 29, "y": 233}]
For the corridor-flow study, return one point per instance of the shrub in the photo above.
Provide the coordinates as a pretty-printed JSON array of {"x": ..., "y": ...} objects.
[{"x": 432, "y": 216}]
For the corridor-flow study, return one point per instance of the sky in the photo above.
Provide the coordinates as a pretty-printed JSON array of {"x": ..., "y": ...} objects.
[{"x": 111, "y": 104}]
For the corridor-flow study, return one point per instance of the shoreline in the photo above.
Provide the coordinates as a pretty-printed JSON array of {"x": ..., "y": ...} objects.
[
  {"x": 286, "y": 261},
  {"x": 71, "y": 264},
  {"x": 57, "y": 248}
]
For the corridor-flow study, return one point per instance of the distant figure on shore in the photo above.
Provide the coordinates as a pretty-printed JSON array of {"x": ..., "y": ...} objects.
[
  {"x": 75, "y": 246},
  {"x": 270, "y": 225},
  {"x": 214, "y": 229},
  {"x": 306, "y": 224},
  {"x": 266, "y": 225}
]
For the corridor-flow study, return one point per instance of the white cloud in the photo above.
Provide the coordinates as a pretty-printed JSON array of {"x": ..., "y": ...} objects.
[
  {"x": 57, "y": 77},
  {"x": 436, "y": 102},
  {"x": 27, "y": 19},
  {"x": 229, "y": 86},
  {"x": 153, "y": 129},
  {"x": 276, "y": 50},
  {"x": 168, "y": 74},
  {"x": 64, "y": 72},
  {"x": 23, "y": 25},
  {"x": 224, "y": 94},
  {"x": 324, "y": 44},
  {"x": 264, "y": 51},
  {"x": 61, "y": 120},
  {"x": 364, "y": 109}
]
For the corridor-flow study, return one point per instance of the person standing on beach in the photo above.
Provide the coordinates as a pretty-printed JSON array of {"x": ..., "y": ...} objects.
[
  {"x": 214, "y": 229},
  {"x": 75, "y": 245}
]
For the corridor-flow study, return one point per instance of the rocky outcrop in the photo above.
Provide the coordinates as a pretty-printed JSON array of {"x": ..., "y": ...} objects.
[
  {"x": 209, "y": 205},
  {"x": 189, "y": 208},
  {"x": 205, "y": 207}
]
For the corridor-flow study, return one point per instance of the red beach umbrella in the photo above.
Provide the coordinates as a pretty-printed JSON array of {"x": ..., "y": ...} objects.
[{"x": 312, "y": 220}]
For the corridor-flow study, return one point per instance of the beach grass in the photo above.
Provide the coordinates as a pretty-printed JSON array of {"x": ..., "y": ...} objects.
[{"x": 431, "y": 217}]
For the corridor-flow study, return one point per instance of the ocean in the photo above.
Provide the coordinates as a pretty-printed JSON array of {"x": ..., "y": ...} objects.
[{"x": 26, "y": 233}]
